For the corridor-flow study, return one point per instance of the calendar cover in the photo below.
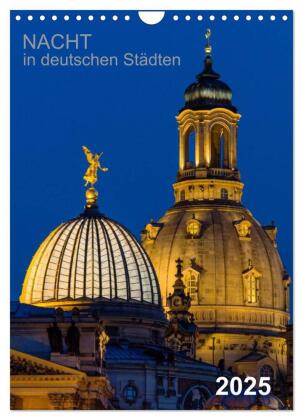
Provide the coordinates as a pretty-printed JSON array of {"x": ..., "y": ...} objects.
[{"x": 151, "y": 210}]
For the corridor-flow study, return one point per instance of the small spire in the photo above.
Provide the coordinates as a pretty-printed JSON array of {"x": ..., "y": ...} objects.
[
  {"x": 208, "y": 47},
  {"x": 208, "y": 71},
  {"x": 179, "y": 274},
  {"x": 91, "y": 176},
  {"x": 179, "y": 285}
]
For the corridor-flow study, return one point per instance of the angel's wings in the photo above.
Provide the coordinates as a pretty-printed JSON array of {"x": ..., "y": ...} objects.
[{"x": 89, "y": 155}]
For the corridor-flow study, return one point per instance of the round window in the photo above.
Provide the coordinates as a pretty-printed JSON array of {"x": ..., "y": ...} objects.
[{"x": 193, "y": 228}]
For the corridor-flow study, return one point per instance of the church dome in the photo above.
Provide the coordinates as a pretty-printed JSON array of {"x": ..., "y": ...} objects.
[
  {"x": 90, "y": 259},
  {"x": 208, "y": 91},
  {"x": 231, "y": 266}
]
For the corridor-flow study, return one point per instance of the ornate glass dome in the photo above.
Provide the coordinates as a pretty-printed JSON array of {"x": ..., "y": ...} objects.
[
  {"x": 90, "y": 259},
  {"x": 87, "y": 259}
]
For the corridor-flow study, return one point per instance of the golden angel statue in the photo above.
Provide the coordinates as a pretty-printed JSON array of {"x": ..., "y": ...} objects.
[
  {"x": 208, "y": 34},
  {"x": 94, "y": 164}
]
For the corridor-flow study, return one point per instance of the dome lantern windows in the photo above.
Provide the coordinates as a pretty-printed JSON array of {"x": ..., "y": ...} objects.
[{"x": 219, "y": 147}]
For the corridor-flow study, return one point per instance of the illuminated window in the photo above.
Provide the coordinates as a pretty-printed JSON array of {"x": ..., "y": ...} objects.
[
  {"x": 191, "y": 283},
  {"x": 193, "y": 228},
  {"x": 251, "y": 286},
  {"x": 130, "y": 393},
  {"x": 252, "y": 289}
]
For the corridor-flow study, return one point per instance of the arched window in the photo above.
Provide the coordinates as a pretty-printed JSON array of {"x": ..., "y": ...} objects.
[
  {"x": 224, "y": 194},
  {"x": 190, "y": 147},
  {"x": 130, "y": 392},
  {"x": 219, "y": 147},
  {"x": 267, "y": 371},
  {"x": 252, "y": 289},
  {"x": 251, "y": 279},
  {"x": 191, "y": 139},
  {"x": 222, "y": 141},
  {"x": 191, "y": 283},
  {"x": 182, "y": 195},
  {"x": 195, "y": 398}
]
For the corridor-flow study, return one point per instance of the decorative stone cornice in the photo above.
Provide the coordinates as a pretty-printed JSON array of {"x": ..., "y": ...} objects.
[
  {"x": 240, "y": 317},
  {"x": 21, "y": 366}
]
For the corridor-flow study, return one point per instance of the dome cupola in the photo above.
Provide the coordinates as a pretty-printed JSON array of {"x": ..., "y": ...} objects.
[{"x": 208, "y": 91}]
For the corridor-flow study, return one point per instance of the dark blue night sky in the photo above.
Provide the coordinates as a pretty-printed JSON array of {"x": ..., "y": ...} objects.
[{"x": 129, "y": 114}]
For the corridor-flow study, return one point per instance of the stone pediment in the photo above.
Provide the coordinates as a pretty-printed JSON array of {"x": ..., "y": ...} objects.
[
  {"x": 190, "y": 269},
  {"x": 26, "y": 364},
  {"x": 194, "y": 267},
  {"x": 251, "y": 271}
]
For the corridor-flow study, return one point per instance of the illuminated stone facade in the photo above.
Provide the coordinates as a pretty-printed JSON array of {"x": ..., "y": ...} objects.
[
  {"x": 39, "y": 384},
  {"x": 90, "y": 331}
]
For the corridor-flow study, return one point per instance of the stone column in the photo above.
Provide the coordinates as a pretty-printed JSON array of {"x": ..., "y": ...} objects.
[
  {"x": 64, "y": 401},
  {"x": 182, "y": 150},
  {"x": 57, "y": 400},
  {"x": 71, "y": 401},
  {"x": 233, "y": 147},
  {"x": 13, "y": 402}
]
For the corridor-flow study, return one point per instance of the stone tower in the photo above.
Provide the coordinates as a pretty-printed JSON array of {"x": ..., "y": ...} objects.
[
  {"x": 181, "y": 331},
  {"x": 232, "y": 269}
]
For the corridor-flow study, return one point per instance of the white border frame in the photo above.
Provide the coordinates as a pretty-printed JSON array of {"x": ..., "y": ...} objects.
[{"x": 5, "y": 7}]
